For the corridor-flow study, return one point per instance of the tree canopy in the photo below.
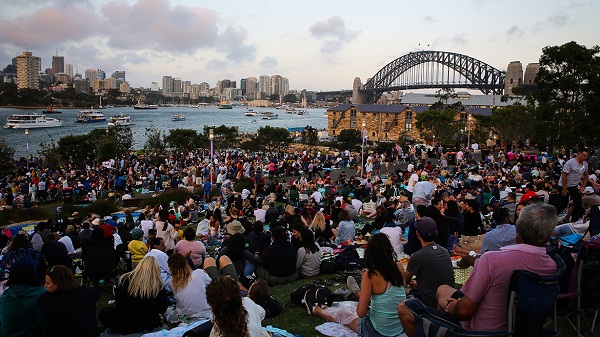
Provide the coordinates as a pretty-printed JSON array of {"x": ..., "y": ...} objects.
[
  {"x": 438, "y": 124},
  {"x": 348, "y": 139},
  {"x": 310, "y": 136},
  {"x": 272, "y": 138}
]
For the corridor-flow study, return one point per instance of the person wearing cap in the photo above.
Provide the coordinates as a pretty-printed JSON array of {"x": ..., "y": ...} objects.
[
  {"x": 137, "y": 247},
  {"x": 235, "y": 227},
  {"x": 355, "y": 202},
  {"x": 529, "y": 192},
  {"x": 431, "y": 265}
]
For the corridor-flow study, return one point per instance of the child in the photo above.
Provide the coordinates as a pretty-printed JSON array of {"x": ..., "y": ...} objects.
[{"x": 137, "y": 247}]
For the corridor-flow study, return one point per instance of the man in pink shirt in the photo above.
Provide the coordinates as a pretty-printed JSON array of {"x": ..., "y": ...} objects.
[
  {"x": 191, "y": 248},
  {"x": 482, "y": 302}
]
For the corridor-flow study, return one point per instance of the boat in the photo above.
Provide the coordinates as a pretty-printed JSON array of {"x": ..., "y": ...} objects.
[
  {"x": 144, "y": 106},
  {"x": 269, "y": 115},
  {"x": 225, "y": 106},
  {"x": 90, "y": 116},
  {"x": 121, "y": 120},
  {"x": 50, "y": 110},
  {"x": 31, "y": 121},
  {"x": 254, "y": 121},
  {"x": 250, "y": 113},
  {"x": 302, "y": 112},
  {"x": 178, "y": 117},
  {"x": 290, "y": 110},
  {"x": 326, "y": 114}
]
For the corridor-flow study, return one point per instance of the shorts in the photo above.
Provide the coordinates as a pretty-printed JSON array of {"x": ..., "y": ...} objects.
[
  {"x": 228, "y": 270},
  {"x": 366, "y": 328}
]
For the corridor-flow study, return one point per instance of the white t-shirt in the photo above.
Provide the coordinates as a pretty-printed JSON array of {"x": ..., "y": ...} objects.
[
  {"x": 412, "y": 181},
  {"x": 260, "y": 214},
  {"x": 191, "y": 300},
  {"x": 68, "y": 243}
]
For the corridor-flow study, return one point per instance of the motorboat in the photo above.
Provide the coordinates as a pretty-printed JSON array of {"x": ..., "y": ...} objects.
[
  {"x": 269, "y": 115},
  {"x": 121, "y": 120},
  {"x": 31, "y": 121},
  {"x": 254, "y": 121},
  {"x": 90, "y": 116},
  {"x": 302, "y": 112},
  {"x": 144, "y": 106},
  {"x": 225, "y": 106},
  {"x": 250, "y": 113},
  {"x": 178, "y": 117},
  {"x": 50, "y": 110}
]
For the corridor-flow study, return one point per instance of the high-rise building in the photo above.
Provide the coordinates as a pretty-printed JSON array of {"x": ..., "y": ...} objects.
[
  {"x": 177, "y": 87},
  {"x": 69, "y": 70},
  {"x": 28, "y": 71},
  {"x": 243, "y": 86},
  {"x": 251, "y": 87},
  {"x": 125, "y": 87},
  {"x": 101, "y": 74},
  {"x": 194, "y": 91},
  {"x": 264, "y": 86},
  {"x": 91, "y": 75},
  {"x": 186, "y": 86},
  {"x": 110, "y": 83},
  {"x": 167, "y": 85},
  {"x": 154, "y": 86},
  {"x": 62, "y": 77},
  {"x": 204, "y": 89},
  {"x": 58, "y": 64},
  {"x": 119, "y": 75}
]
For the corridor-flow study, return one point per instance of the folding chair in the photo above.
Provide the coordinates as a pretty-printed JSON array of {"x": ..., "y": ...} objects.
[
  {"x": 100, "y": 261},
  {"x": 583, "y": 296}
]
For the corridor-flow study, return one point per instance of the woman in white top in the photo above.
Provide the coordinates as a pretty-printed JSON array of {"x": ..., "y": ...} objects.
[
  {"x": 165, "y": 231},
  {"x": 189, "y": 288}
]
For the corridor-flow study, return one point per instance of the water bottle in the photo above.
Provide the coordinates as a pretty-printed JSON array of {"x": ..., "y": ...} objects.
[{"x": 406, "y": 233}]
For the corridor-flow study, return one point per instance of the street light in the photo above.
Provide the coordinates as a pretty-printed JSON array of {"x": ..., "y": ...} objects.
[
  {"x": 362, "y": 151},
  {"x": 211, "y": 137},
  {"x": 469, "y": 132},
  {"x": 27, "y": 146}
]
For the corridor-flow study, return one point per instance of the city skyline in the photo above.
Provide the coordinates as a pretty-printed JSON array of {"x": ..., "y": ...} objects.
[{"x": 317, "y": 45}]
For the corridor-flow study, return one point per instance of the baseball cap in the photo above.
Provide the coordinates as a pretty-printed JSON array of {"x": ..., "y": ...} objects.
[{"x": 426, "y": 227}]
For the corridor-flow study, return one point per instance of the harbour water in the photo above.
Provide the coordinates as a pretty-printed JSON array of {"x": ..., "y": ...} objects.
[{"x": 196, "y": 119}]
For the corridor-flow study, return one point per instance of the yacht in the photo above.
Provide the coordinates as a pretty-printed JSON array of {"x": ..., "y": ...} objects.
[
  {"x": 31, "y": 121},
  {"x": 121, "y": 120},
  {"x": 250, "y": 113},
  {"x": 269, "y": 115},
  {"x": 144, "y": 106},
  {"x": 90, "y": 116},
  {"x": 178, "y": 117}
]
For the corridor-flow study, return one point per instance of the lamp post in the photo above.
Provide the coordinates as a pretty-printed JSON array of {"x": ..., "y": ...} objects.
[
  {"x": 211, "y": 137},
  {"x": 469, "y": 131},
  {"x": 27, "y": 146},
  {"x": 362, "y": 151}
]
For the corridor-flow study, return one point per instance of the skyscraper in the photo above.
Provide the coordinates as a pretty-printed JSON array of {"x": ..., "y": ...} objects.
[
  {"x": 167, "y": 85},
  {"x": 264, "y": 86},
  {"x": 251, "y": 86},
  {"x": 58, "y": 64},
  {"x": 28, "y": 71},
  {"x": 69, "y": 70},
  {"x": 91, "y": 75}
]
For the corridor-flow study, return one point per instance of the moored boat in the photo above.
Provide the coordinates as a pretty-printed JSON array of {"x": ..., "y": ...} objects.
[
  {"x": 31, "y": 121},
  {"x": 178, "y": 117},
  {"x": 90, "y": 116},
  {"x": 225, "y": 106},
  {"x": 269, "y": 115},
  {"x": 50, "y": 110},
  {"x": 250, "y": 113},
  {"x": 121, "y": 120}
]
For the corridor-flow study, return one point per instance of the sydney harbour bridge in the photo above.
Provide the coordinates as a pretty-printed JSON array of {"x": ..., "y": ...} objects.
[{"x": 423, "y": 70}]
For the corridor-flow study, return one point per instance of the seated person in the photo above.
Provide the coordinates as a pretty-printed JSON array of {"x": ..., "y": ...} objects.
[
  {"x": 482, "y": 302},
  {"x": 345, "y": 230},
  {"x": 431, "y": 264},
  {"x": 279, "y": 262}
]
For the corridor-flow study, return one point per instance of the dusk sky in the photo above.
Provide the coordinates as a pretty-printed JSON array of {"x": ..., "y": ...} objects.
[{"x": 316, "y": 44}]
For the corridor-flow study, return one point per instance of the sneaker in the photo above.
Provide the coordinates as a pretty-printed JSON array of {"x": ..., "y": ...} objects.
[
  {"x": 352, "y": 285},
  {"x": 310, "y": 301}
]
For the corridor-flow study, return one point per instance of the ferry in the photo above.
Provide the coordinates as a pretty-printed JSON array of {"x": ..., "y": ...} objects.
[
  {"x": 225, "y": 106},
  {"x": 269, "y": 115},
  {"x": 90, "y": 116},
  {"x": 121, "y": 120},
  {"x": 250, "y": 113},
  {"x": 144, "y": 106},
  {"x": 178, "y": 117},
  {"x": 31, "y": 121}
]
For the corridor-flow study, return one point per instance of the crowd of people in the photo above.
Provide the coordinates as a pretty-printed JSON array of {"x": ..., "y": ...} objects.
[{"x": 216, "y": 252}]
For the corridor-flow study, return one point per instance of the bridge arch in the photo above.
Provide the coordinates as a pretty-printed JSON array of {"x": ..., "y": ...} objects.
[{"x": 434, "y": 69}]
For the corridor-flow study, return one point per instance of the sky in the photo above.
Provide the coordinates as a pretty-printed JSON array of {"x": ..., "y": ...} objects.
[{"x": 317, "y": 44}]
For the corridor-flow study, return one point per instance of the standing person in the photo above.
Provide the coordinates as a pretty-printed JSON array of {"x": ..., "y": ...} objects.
[
  {"x": 573, "y": 171},
  {"x": 166, "y": 231},
  {"x": 67, "y": 310},
  {"x": 381, "y": 290},
  {"x": 140, "y": 299}
]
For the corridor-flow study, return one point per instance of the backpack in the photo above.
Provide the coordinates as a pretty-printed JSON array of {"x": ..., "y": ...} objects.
[
  {"x": 297, "y": 296},
  {"x": 271, "y": 306},
  {"x": 349, "y": 259}
]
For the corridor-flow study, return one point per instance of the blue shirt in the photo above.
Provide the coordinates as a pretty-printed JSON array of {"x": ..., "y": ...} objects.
[
  {"x": 501, "y": 236},
  {"x": 345, "y": 231}
]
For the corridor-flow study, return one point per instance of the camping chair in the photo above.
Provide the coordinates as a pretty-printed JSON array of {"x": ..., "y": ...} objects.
[
  {"x": 583, "y": 296},
  {"x": 531, "y": 299},
  {"x": 100, "y": 261}
]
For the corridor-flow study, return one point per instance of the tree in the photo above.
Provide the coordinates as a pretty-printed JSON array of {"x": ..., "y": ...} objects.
[
  {"x": 348, "y": 139},
  {"x": 6, "y": 156},
  {"x": 290, "y": 98},
  {"x": 444, "y": 95},
  {"x": 49, "y": 154},
  {"x": 566, "y": 94},
  {"x": 77, "y": 149},
  {"x": 272, "y": 139},
  {"x": 274, "y": 98},
  {"x": 310, "y": 136},
  {"x": 226, "y": 137},
  {"x": 183, "y": 139},
  {"x": 438, "y": 124},
  {"x": 155, "y": 143},
  {"x": 511, "y": 122}
]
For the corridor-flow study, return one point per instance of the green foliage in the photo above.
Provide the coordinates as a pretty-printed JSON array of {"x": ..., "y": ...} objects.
[
  {"x": 444, "y": 95},
  {"x": 77, "y": 149},
  {"x": 184, "y": 139},
  {"x": 155, "y": 143},
  {"x": 272, "y": 139},
  {"x": 290, "y": 98},
  {"x": 6, "y": 156},
  {"x": 310, "y": 136},
  {"x": 50, "y": 155},
  {"x": 511, "y": 122},
  {"x": 348, "y": 139},
  {"x": 179, "y": 195},
  {"x": 274, "y": 98},
  {"x": 12, "y": 216},
  {"x": 440, "y": 124},
  {"x": 102, "y": 207},
  {"x": 225, "y": 136},
  {"x": 568, "y": 86}
]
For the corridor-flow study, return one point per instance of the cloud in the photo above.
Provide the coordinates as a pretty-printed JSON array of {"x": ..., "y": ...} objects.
[
  {"x": 268, "y": 62},
  {"x": 429, "y": 19},
  {"x": 232, "y": 42},
  {"x": 559, "y": 20},
  {"x": 334, "y": 31},
  {"x": 514, "y": 32},
  {"x": 456, "y": 41}
]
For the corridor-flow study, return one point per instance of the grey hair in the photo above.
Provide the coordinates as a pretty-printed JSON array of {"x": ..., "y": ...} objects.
[{"x": 536, "y": 222}]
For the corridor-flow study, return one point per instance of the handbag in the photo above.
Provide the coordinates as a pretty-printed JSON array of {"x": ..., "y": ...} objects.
[{"x": 471, "y": 242}]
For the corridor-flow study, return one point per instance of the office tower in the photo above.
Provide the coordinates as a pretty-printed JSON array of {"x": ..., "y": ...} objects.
[
  {"x": 285, "y": 86},
  {"x": 58, "y": 64},
  {"x": 119, "y": 75},
  {"x": 167, "y": 85},
  {"x": 204, "y": 89},
  {"x": 125, "y": 87},
  {"x": 28, "y": 71},
  {"x": 251, "y": 85},
  {"x": 91, "y": 75},
  {"x": 243, "y": 86},
  {"x": 69, "y": 70},
  {"x": 264, "y": 86},
  {"x": 186, "y": 86},
  {"x": 177, "y": 87},
  {"x": 154, "y": 86},
  {"x": 110, "y": 83}
]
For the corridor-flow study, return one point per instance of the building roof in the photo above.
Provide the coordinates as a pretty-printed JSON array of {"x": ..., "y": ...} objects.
[
  {"x": 467, "y": 99},
  {"x": 399, "y": 108}
]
